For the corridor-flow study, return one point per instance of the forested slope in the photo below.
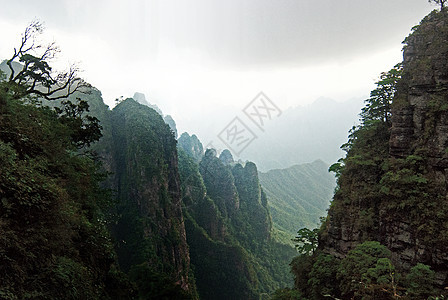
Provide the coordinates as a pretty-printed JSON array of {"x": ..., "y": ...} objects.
[{"x": 298, "y": 196}]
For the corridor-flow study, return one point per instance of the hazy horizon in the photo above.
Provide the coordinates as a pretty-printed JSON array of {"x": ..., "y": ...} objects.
[{"x": 203, "y": 61}]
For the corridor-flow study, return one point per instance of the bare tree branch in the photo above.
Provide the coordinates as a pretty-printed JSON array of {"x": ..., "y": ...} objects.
[{"x": 36, "y": 77}]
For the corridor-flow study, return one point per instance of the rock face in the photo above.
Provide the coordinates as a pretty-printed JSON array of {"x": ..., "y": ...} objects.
[
  {"x": 420, "y": 115},
  {"x": 420, "y": 125},
  {"x": 226, "y": 157},
  {"x": 220, "y": 183},
  {"x": 141, "y": 98},
  {"x": 170, "y": 121},
  {"x": 229, "y": 228},
  {"x": 191, "y": 145},
  {"x": 407, "y": 204},
  {"x": 150, "y": 229}
]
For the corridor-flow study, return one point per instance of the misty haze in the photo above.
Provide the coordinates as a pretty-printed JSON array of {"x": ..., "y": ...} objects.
[{"x": 233, "y": 149}]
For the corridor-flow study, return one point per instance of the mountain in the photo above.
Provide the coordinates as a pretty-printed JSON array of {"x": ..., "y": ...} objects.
[
  {"x": 150, "y": 228},
  {"x": 191, "y": 145},
  {"x": 304, "y": 134},
  {"x": 141, "y": 98},
  {"x": 298, "y": 196},
  {"x": 187, "y": 221},
  {"x": 55, "y": 242},
  {"x": 138, "y": 151},
  {"x": 385, "y": 233},
  {"x": 409, "y": 212},
  {"x": 229, "y": 230}
]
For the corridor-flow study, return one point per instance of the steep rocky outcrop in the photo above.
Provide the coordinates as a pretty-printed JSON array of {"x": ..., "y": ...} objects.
[
  {"x": 400, "y": 200},
  {"x": 141, "y": 98},
  {"x": 191, "y": 145},
  {"x": 420, "y": 127},
  {"x": 170, "y": 121},
  {"x": 229, "y": 228},
  {"x": 150, "y": 230},
  {"x": 220, "y": 183},
  {"x": 226, "y": 157}
]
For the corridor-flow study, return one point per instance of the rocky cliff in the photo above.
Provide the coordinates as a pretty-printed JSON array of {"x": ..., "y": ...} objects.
[
  {"x": 396, "y": 190},
  {"x": 150, "y": 228},
  {"x": 229, "y": 228}
]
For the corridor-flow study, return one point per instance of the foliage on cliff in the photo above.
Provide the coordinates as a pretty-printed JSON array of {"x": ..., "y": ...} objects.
[
  {"x": 149, "y": 229},
  {"x": 229, "y": 230},
  {"x": 54, "y": 243},
  {"x": 385, "y": 233}
]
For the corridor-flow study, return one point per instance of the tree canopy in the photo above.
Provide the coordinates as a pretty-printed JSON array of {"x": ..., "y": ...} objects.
[{"x": 378, "y": 106}]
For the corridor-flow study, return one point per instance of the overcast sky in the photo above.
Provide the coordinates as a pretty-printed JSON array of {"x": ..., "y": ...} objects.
[{"x": 197, "y": 59}]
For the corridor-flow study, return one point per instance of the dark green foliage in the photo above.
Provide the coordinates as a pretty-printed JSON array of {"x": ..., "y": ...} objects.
[
  {"x": 367, "y": 272},
  {"x": 359, "y": 271},
  {"x": 222, "y": 270},
  {"x": 322, "y": 276},
  {"x": 301, "y": 267},
  {"x": 378, "y": 106},
  {"x": 287, "y": 294},
  {"x": 54, "y": 243},
  {"x": 149, "y": 231},
  {"x": 170, "y": 121},
  {"x": 359, "y": 181},
  {"x": 154, "y": 285},
  {"x": 253, "y": 221},
  {"x": 218, "y": 261},
  {"x": 420, "y": 282},
  {"x": 232, "y": 254},
  {"x": 307, "y": 241},
  {"x": 416, "y": 196},
  {"x": 85, "y": 128},
  {"x": 220, "y": 183}
]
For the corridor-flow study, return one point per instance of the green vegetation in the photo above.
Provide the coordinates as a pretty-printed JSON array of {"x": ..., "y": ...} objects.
[
  {"x": 191, "y": 145},
  {"x": 307, "y": 241},
  {"x": 378, "y": 106},
  {"x": 229, "y": 230},
  {"x": 367, "y": 272},
  {"x": 54, "y": 240},
  {"x": 298, "y": 197},
  {"x": 149, "y": 228},
  {"x": 385, "y": 206}
]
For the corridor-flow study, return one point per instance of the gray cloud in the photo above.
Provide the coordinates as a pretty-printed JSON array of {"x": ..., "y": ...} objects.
[{"x": 235, "y": 32}]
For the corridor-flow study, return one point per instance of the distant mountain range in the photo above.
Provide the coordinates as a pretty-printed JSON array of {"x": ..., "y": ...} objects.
[
  {"x": 304, "y": 134},
  {"x": 298, "y": 196}
]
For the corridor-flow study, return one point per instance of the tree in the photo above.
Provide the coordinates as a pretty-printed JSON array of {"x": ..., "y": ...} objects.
[
  {"x": 378, "y": 106},
  {"x": 439, "y": 2},
  {"x": 363, "y": 266},
  {"x": 54, "y": 243},
  {"x": 31, "y": 75},
  {"x": 307, "y": 240},
  {"x": 85, "y": 129},
  {"x": 420, "y": 281}
]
